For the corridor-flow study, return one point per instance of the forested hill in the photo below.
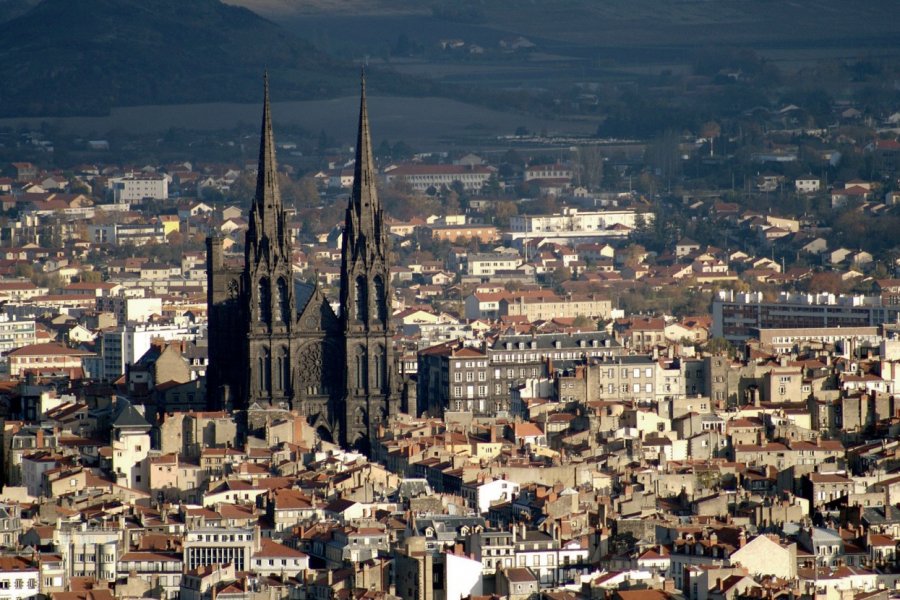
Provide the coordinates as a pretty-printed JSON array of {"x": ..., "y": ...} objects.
[{"x": 70, "y": 57}]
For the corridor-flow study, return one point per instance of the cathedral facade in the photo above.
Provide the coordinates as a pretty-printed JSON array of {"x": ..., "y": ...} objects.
[{"x": 275, "y": 341}]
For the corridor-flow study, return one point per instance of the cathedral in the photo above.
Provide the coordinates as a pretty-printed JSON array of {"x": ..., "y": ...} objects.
[{"x": 276, "y": 342}]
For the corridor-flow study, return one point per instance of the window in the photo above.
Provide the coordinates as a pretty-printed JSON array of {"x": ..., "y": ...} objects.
[
  {"x": 636, "y": 373},
  {"x": 362, "y": 300},
  {"x": 457, "y": 376},
  {"x": 264, "y": 300}
]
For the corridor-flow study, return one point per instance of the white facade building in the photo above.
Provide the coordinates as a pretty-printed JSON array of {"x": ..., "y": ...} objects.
[{"x": 134, "y": 188}]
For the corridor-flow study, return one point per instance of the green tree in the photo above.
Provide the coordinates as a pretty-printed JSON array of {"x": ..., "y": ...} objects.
[
  {"x": 584, "y": 322},
  {"x": 719, "y": 345}
]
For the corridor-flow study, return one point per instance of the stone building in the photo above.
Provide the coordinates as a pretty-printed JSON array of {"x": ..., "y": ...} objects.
[{"x": 275, "y": 342}]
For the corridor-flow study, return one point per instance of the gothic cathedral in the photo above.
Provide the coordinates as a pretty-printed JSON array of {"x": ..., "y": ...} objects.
[{"x": 276, "y": 342}]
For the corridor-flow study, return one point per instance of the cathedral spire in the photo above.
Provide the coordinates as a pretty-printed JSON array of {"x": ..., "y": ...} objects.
[
  {"x": 364, "y": 199},
  {"x": 266, "y": 212}
]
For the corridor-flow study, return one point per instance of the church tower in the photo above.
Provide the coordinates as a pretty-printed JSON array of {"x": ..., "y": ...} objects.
[
  {"x": 370, "y": 390},
  {"x": 268, "y": 282}
]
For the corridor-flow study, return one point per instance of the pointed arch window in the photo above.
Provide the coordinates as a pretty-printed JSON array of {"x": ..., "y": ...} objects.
[
  {"x": 264, "y": 297},
  {"x": 362, "y": 369},
  {"x": 381, "y": 299},
  {"x": 380, "y": 371},
  {"x": 264, "y": 368},
  {"x": 362, "y": 300},
  {"x": 284, "y": 301},
  {"x": 283, "y": 370}
]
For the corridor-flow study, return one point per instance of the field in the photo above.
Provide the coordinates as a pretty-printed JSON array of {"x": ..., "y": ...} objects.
[{"x": 420, "y": 122}]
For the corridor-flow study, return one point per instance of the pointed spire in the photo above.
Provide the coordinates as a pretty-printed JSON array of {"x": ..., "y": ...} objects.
[
  {"x": 266, "y": 212},
  {"x": 364, "y": 199}
]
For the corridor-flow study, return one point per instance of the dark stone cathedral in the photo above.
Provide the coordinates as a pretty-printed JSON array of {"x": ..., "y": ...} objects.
[{"x": 276, "y": 342}]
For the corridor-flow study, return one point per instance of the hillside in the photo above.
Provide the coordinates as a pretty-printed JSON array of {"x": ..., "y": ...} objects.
[{"x": 68, "y": 57}]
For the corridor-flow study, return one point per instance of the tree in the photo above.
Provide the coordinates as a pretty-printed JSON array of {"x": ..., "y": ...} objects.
[
  {"x": 91, "y": 276},
  {"x": 584, "y": 322},
  {"x": 560, "y": 275},
  {"x": 588, "y": 167},
  {"x": 491, "y": 187},
  {"x": 503, "y": 211},
  {"x": 719, "y": 345}
]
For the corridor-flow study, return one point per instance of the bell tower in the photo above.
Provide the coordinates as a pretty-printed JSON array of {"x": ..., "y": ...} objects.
[
  {"x": 268, "y": 281},
  {"x": 365, "y": 300}
]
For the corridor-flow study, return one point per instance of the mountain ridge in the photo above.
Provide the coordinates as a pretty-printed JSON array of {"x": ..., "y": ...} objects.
[{"x": 82, "y": 57}]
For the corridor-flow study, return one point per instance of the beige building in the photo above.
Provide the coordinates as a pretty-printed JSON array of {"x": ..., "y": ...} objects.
[
  {"x": 46, "y": 358},
  {"x": 783, "y": 384},
  {"x": 546, "y": 308}
]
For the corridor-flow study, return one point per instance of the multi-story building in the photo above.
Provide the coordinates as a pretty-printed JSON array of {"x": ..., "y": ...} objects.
[
  {"x": 845, "y": 339},
  {"x": 455, "y": 378},
  {"x": 421, "y": 177},
  {"x": 131, "y": 234},
  {"x": 736, "y": 316},
  {"x": 160, "y": 570},
  {"x": 130, "y": 310},
  {"x": 633, "y": 378},
  {"x": 15, "y": 333},
  {"x": 19, "y": 578},
  {"x": 551, "y": 307},
  {"x": 206, "y": 546},
  {"x": 126, "y": 344},
  {"x": 572, "y": 225},
  {"x": 47, "y": 358},
  {"x": 134, "y": 188},
  {"x": 89, "y": 550},
  {"x": 488, "y": 264}
]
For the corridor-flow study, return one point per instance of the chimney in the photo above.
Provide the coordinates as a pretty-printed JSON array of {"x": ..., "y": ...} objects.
[{"x": 39, "y": 437}]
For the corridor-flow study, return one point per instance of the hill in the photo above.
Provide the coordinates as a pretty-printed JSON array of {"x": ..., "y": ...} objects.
[{"x": 71, "y": 57}]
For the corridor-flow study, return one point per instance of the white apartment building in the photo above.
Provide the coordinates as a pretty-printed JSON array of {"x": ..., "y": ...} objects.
[
  {"x": 134, "y": 188},
  {"x": 571, "y": 219},
  {"x": 130, "y": 310},
  {"x": 126, "y": 344},
  {"x": 15, "y": 333},
  {"x": 217, "y": 546},
  {"x": 489, "y": 264}
]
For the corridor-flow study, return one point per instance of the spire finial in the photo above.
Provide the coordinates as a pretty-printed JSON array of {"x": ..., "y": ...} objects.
[{"x": 267, "y": 203}]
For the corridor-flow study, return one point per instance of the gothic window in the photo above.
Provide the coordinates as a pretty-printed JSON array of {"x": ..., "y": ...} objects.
[
  {"x": 264, "y": 295},
  {"x": 362, "y": 369},
  {"x": 265, "y": 371},
  {"x": 279, "y": 381},
  {"x": 362, "y": 300},
  {"x": 379, "y": 369},
  {"x": 381, "y": 299},
  {"x": 282, "y": 370},
  {"x": 284, "y": 301}
]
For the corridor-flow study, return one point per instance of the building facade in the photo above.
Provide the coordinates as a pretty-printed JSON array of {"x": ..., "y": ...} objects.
[{"x": 278, "y": 343}]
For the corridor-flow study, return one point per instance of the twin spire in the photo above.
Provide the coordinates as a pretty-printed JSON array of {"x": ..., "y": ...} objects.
[{"x": 267, "y": 220}]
